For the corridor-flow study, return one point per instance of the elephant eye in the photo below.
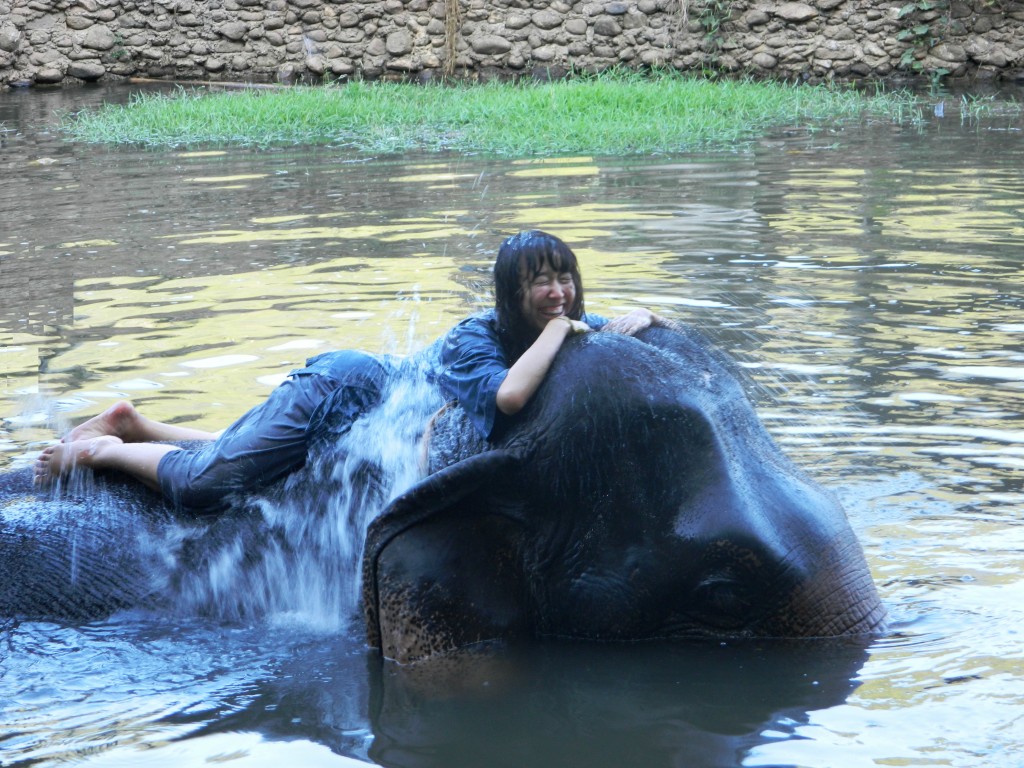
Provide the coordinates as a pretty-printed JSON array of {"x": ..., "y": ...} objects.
[{"x": 724, "y": 601}]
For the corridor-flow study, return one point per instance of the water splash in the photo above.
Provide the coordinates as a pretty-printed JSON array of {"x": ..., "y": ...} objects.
[{"x": 294, "y": 554}]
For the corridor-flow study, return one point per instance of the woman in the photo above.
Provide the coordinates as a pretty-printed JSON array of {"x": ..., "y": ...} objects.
[
  {"x": 262, "y": 446},
  {"x": 491, "y": 363}
]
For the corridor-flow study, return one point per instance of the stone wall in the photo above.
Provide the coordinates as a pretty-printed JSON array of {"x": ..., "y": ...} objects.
[{"x": 61, "y": 41}]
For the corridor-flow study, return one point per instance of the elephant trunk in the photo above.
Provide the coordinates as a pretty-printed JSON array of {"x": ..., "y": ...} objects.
[{"x": 837, "y": 599}]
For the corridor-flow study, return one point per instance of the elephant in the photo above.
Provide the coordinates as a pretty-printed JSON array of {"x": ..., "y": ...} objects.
[
  {"x": 636, "y": 497},
  {"x": 103, "y": 544}
]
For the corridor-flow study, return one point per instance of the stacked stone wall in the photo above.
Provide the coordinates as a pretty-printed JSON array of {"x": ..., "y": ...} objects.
[{"x": 61, "y": 41}]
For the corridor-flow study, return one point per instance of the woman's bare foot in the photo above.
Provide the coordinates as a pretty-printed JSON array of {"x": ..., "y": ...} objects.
[
  {"x": 58, "y": 460},
  {"x": 120, "y": 420}
]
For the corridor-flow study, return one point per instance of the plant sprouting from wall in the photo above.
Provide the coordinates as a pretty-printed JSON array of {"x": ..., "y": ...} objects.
[
  {"x": 119, "y": 51},
  {"x": 925, "y": 23},
  {"x": 710, "y": 14}
]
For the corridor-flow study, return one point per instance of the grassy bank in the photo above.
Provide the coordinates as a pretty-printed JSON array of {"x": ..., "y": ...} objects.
[{"x": 610, "y": 114}]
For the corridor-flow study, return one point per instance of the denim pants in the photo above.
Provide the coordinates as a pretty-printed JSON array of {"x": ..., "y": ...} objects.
[{"x": 273, "y": 438}]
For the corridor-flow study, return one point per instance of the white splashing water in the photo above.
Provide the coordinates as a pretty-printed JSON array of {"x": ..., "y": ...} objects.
[{"x": 297, "y": 559}]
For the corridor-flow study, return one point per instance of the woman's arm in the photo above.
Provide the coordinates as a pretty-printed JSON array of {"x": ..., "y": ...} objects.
[{"x": 527, "y": 373}]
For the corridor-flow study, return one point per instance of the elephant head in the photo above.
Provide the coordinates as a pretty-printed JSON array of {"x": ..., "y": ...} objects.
[{"x": 637, "y": 497}]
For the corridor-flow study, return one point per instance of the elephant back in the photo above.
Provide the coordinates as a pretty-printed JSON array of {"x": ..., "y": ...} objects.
[
  {"x": 449, "y": 438},
  {"x": 80, "y": 552}
]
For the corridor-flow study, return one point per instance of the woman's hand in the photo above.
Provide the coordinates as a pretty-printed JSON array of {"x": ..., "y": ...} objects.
[
  {"x": 576, "y": 326},
  {"x": 632, "y": 323}
]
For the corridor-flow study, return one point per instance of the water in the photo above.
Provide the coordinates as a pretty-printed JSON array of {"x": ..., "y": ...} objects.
[{"x": 868, "y": 279}]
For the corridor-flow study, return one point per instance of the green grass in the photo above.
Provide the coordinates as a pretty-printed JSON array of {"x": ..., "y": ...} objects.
[
  {"x": 981, "y": 107},
  {"x": 614, "y": 114}
]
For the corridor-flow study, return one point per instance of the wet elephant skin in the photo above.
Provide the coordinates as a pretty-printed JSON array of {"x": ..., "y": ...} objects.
[
  {"x": 638, "y": 497},
  {"x": 99, "y": 543}
]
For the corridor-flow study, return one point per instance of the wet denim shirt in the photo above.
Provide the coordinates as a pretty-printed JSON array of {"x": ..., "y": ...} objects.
[{"x": 473, "y": 364}]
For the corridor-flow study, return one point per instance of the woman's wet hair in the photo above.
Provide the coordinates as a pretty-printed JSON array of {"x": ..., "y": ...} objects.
[{"x": 521, "y": 258}]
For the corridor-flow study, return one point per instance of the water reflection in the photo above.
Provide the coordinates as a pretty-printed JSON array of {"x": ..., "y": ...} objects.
[
  {"x": 565, "y": 705},
  {"x": 867, "y": 278}
]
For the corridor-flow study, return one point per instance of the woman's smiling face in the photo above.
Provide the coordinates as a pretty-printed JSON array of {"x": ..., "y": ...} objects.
[{"x": 546, "y": 295}]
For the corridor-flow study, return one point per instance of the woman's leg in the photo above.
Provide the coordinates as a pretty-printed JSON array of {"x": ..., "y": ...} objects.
[
  {"x": 266, "y": 443},
  {"x": 139, "y": 460},
  {"x": 273, "y": 439},
  {"x": 123, "y": 421},
  {"x": 121, "y": 439}
]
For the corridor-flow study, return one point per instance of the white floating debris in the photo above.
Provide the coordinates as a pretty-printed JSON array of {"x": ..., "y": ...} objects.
[
  {"x": 272, "y": 379},
  {"x": 298, "y": 344},
  {"x": 1007, "y": 373},
  {"x": 136, "y": 385},
  {"x": 221, "y": 361}
]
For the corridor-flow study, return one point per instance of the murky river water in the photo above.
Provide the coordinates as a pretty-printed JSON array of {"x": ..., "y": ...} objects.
[{"x": 869, "y": 280}]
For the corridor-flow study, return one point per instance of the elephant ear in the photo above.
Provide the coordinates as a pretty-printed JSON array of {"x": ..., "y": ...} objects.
[{"x": 432, "y": 547}]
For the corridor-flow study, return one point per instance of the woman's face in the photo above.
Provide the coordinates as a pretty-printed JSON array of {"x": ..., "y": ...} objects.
[{"x": 549, "y": 294}]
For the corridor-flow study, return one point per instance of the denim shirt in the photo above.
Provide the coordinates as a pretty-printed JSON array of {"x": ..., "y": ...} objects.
[{"x": 474, "y": 363}]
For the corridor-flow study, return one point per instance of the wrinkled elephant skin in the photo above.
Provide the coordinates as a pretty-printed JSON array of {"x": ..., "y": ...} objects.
[{"x": 637, "y": 497}]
